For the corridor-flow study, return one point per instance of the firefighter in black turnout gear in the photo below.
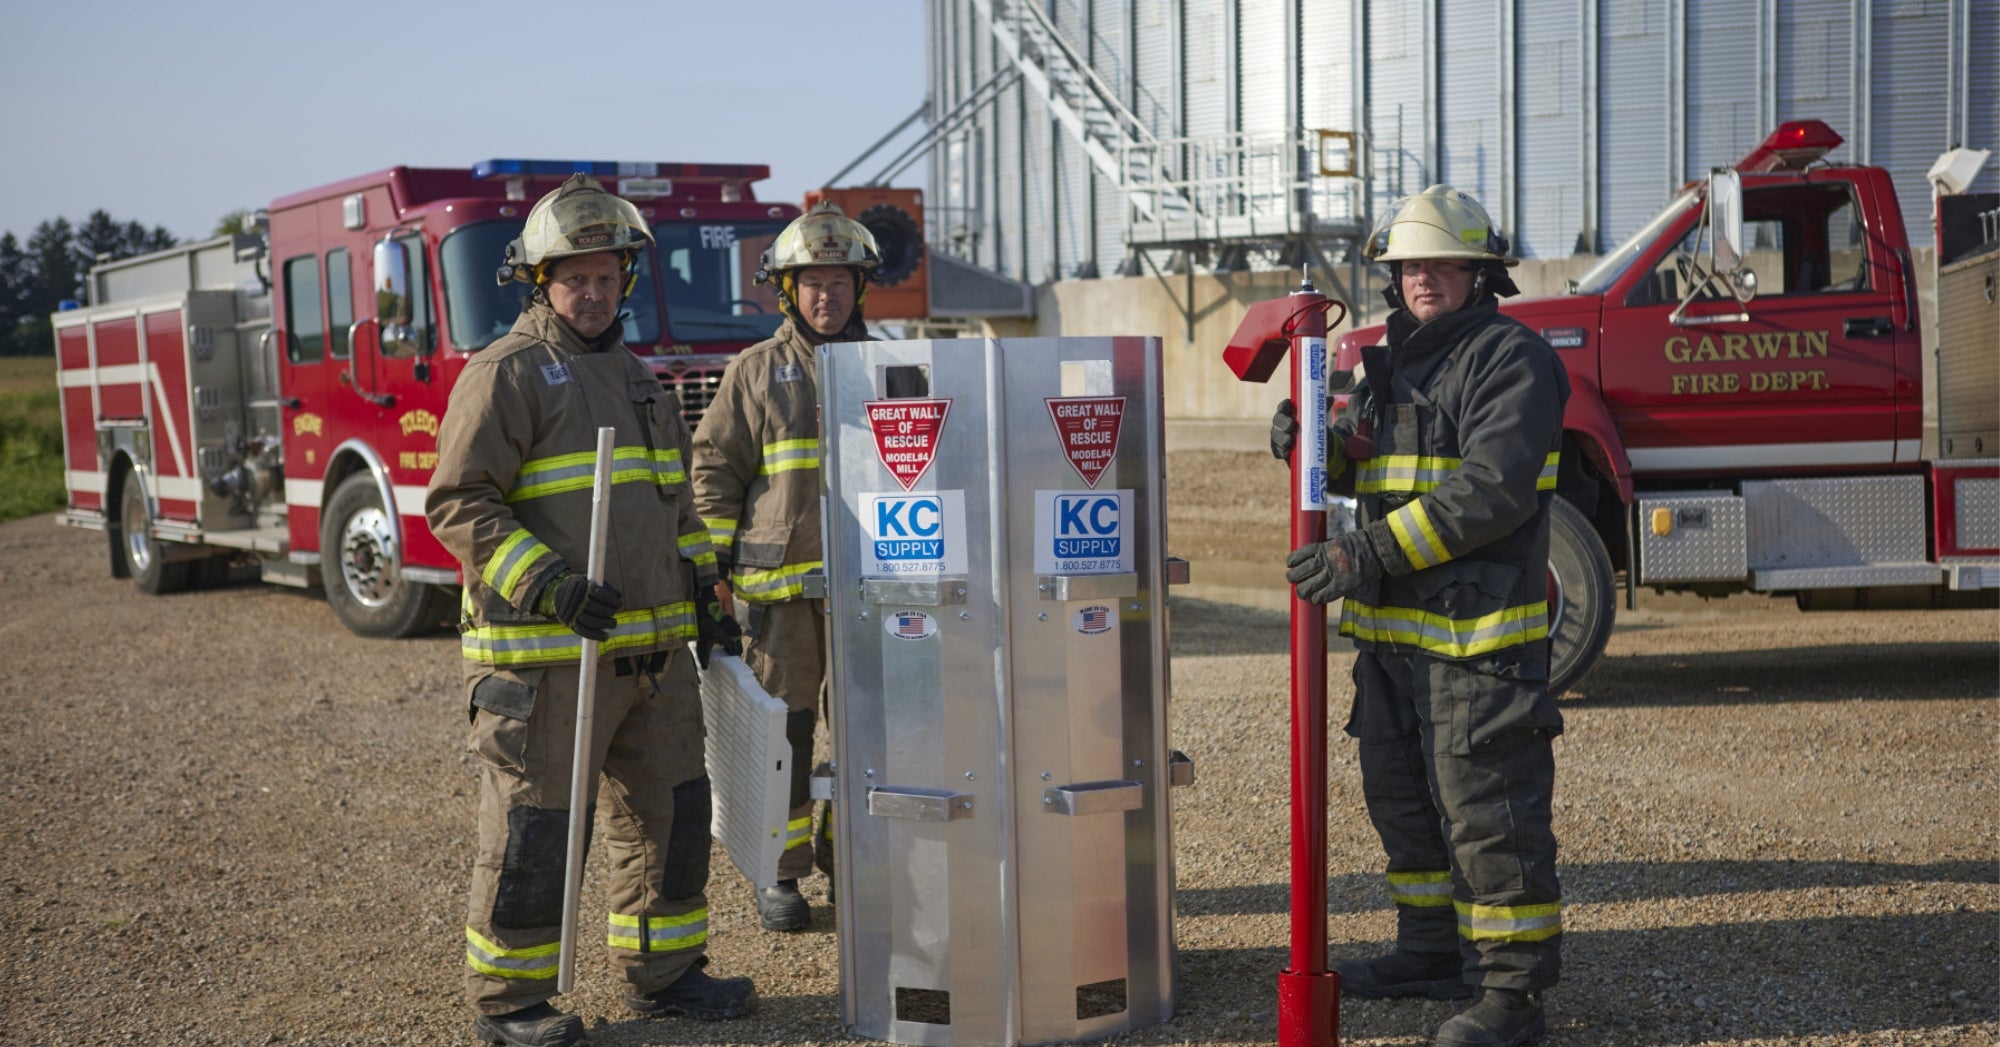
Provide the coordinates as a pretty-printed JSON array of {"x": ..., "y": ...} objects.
[{"x": 1445, "y": 591}]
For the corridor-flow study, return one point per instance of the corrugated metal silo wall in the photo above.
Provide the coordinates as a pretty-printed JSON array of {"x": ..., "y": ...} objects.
[
  {"x": 1982, "y": 119},
  {"x": 1910, "y": 124},
  {"x": 1549, "y": 127},
  {"x": 1396, "y": 44},
  {"x": 1111, "y": 56},
  {"x": 1597, "y": 166},
  {"x": 1470, "y": 103}
]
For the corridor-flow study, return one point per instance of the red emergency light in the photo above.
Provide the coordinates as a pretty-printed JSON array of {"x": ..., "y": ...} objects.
[{"x": 1795, "y": 144}]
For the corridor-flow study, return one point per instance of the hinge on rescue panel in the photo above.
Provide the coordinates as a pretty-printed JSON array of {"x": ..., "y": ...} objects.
[
  {"x": 820, "y": 785},
  {"x": 922, "y": 805},
  {"x": 1177, "y": 571},
  {"x": 1180, "y": 769},
  {"x": 1086, "y": 586},
  {"x": 812, "y": 585},
  {"x": 913, "y": 592}
]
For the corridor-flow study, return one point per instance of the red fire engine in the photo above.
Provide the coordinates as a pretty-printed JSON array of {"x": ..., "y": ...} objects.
[
  {"x": 276, "y": 395},
  {"x": 1749, "y": 401}
]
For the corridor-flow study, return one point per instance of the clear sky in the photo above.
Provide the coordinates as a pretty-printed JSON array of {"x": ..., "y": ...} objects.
[{"x": 176, "y": 112}]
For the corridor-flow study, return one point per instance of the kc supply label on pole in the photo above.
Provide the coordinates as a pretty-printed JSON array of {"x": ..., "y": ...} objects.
[
  {"x": 906, "y": 435},
  {"x": 1088, "y": 427}
]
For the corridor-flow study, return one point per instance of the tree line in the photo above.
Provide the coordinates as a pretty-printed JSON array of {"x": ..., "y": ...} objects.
[{"x": 36, "y": 277}]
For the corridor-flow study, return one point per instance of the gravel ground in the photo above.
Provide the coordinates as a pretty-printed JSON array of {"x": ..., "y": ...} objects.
[{"x": 228, "y": 821}]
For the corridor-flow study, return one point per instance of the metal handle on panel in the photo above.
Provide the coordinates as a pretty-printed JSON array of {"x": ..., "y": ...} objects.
[
  {"x": 820, "y": 785},
  {"x": 1180, "y": 769},
  {"x": 1087, "y": 586},
  {"x": 812, "y": 586},
  {"x": 913, "y": 592},
  {"x": 922, "y": 805},
  {"x": 1094, "y": 798}
]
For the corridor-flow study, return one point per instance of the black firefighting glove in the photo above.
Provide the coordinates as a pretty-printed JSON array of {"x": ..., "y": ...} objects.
[
  {"x": 586, "y": 607},
  {"x": 1284, "y": 430},
  {"x": 713, "y": 629},
  {"x": 1326, "y": 571}
]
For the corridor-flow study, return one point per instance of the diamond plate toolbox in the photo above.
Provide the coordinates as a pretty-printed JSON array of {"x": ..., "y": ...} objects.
[{"x": 1695, "y": 536}]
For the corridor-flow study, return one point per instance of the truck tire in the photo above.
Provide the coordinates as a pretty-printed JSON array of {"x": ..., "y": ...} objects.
[
  {"x": 1582, "y": 601},
  {"x": 360, "y": 566},
  {"x": 145, "y": 562}
]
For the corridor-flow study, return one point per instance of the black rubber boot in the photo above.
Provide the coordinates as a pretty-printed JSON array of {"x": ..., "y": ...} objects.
[
  {"x": 783, "y": 908},
  {"x": 696, "y": 995},
  {"x": 1439, "y": 976},
  {"x": 537, "y": 1026},
  {"x": 1501, "y": 1018}
]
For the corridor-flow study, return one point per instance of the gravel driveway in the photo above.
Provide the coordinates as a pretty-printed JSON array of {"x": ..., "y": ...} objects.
[{"x": 228, "y": 821}]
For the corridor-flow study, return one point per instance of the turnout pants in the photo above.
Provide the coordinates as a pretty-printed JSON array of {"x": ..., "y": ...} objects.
[
  {"x": 787, "y": 654},
  {"x": 1457, "y": 772},
  {"x": 652, "y": 791}
]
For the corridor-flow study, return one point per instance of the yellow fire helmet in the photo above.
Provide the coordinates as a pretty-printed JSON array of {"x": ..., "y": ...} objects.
[
  {"x": 1439, "y": 222},
  {"x": 821, "y": 236},
  {"x": 579, "y": 217}
]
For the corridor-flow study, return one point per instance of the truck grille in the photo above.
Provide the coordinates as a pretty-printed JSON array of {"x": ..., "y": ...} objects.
[{"x": 695, "y": 384}]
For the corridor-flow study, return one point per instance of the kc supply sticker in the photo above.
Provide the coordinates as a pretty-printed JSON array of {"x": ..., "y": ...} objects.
[
  {"x": 906, "y": 435},
  {"x": 1079, "y": 532},
  {"x": 908, "y": 534},
  {"x": 1087, "y": 427}
]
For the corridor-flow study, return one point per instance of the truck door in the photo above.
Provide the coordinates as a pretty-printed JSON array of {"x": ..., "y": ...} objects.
[
  {"x": 309, "y": 356},
  {"x": 1802, "y": 377},
  {"x": 396, "y": 371}
]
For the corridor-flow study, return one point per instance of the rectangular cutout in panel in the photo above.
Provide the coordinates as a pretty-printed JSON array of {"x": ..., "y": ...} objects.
[
  {"x": 1100, "y": 998},
  {"x": 930, "y": 1006},
  {"x": 1086, "y": 378},
  {"x": 906, "y": 381}
]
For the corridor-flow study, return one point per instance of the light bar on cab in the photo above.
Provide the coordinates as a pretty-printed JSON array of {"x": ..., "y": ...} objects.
[{"x": 486, "y": 169}]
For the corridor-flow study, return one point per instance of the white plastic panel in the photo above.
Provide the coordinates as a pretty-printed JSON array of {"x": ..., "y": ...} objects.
[{"x": 749, "y": 767}]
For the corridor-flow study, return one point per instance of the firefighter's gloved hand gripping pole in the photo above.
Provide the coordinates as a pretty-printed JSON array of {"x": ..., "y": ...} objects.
[
  {"x": 1308, "y": 993},
  {"x": 586, "y": 700}
]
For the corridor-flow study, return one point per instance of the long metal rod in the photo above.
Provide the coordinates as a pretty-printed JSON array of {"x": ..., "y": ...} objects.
[
  {"x": 581, "y": 772},
  {"x": 884, "y": 140}
]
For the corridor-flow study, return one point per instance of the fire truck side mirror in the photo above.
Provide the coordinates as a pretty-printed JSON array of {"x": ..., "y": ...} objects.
[
  {"x": 392, "y": 298},
  {"x": 1726, "y": 248}
]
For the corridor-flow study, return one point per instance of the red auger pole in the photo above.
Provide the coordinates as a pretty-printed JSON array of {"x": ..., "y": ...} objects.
[{"x": 1296, "y": 325}]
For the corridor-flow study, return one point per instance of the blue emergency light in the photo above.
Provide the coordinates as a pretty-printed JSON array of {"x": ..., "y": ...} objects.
[{"x": 560, "y": 168}]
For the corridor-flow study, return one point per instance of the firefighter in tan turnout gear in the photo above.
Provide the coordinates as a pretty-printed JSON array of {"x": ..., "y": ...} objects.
[
  {"x": 756, "y": 479},
  {"x": 1446, "y": 595},
  {"x": 511, "y": 498}
]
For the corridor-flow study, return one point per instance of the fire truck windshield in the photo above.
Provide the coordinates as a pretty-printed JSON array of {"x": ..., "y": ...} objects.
[
  {"x": 1599, "y": 278},
  {"x": 708, "y": 271},
  {"x": 479, "y": 311}
]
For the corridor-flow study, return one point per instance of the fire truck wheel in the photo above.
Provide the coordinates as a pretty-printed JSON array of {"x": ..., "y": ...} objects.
[
  {"x": 144, "y": 560},
  {"x": 360, "y": 567},
  {"x": 1582, "y": 602}
]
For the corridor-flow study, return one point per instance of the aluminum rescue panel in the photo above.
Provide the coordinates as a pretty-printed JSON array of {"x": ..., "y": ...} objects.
[{"x": 996, "y": 575}]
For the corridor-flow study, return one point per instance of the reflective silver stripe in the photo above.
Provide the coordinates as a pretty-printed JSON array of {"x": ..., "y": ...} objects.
[
  {"x": 786, "y": 455},
  {"x": 526, "y": 644},
  {"x": 661, "y": 933},
  {"x": 510, "y": 563},
  {"x": 535, "y": 962},
  {"x": 1451, "y": 637},
  {"x": 798, "y": 832},
  {"x": 1509, "y": 923},
  {"x": 1421, "y": 889}
]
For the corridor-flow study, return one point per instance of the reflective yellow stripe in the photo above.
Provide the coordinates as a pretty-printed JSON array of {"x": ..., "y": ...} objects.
[
  {"x": 778, "y": 583},
  {"x": 1449, "y": 637},
  {"x": 1421, "y": 889},
  {"x": 695, "y": 548},
  {"x": 721, "y": 532},
  {"x": 540, "y": 644},
  {"x": 658, "y": 933},
  {"x": 1418, "y": 539},
  {"x": 1547, "y": 481},
  {"x": 541, "y": 477},
  {"x": 537, "y": 962},
  {"x": 510, "y": 564},
  {"x": 1509, "y": 923},
  {"x": 1419, "y": 474},
  {"x": 798, "y": 832},
  {"x": 787, "y": 455}
]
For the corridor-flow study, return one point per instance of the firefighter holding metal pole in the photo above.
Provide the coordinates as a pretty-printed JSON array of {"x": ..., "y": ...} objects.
[
  {"x": 1445, "y": 588},
  {"x": 511, "y": 498},
  {"x": 756, "y": 478}
]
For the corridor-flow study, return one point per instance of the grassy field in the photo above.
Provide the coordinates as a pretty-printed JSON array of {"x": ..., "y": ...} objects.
[{"x": 31, "y": 474}]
